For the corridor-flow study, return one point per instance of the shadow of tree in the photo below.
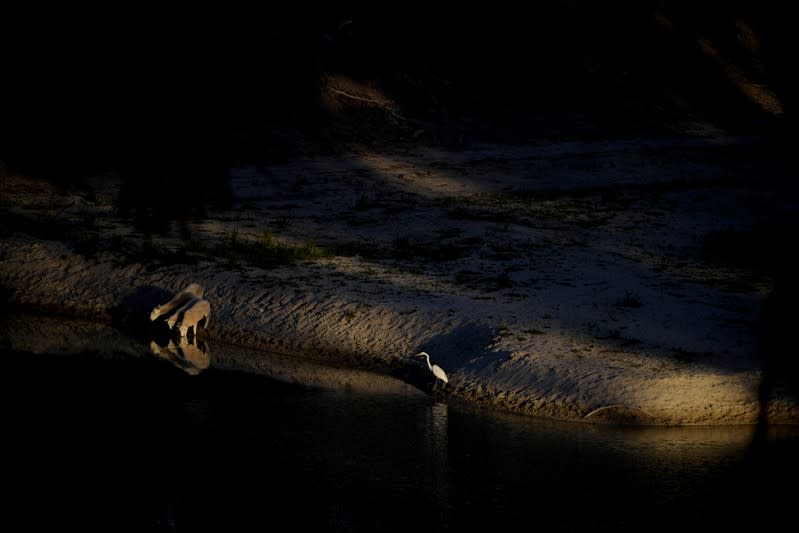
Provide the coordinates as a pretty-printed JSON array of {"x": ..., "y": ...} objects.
[
  {"x": 132, "y": 314},
  {"x": 778, "y": 341}
]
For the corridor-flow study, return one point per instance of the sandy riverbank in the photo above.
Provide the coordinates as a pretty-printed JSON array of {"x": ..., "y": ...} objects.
[{"x": 606, "y": 281}]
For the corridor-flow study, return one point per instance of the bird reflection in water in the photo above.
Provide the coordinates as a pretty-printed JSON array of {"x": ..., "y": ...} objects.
[
  {"x": 189, "y": 354},
  {"x": 436, "y": 458}
]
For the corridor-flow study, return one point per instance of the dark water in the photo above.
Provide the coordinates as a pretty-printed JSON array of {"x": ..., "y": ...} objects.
[{"x": 135, "y": 444}]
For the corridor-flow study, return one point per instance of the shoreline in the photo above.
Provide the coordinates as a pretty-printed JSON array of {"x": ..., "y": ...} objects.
[{"x": 540, "y": 279}]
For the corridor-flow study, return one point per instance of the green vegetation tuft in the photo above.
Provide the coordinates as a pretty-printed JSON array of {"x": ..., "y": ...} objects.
[{"x": 266, "y": 251}]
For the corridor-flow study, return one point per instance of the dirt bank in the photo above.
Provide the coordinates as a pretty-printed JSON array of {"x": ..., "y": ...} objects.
[{"x": 611, "y": 280}]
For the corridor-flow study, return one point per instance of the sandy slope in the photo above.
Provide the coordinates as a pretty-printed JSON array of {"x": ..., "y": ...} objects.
[{"x": 608, "y": 281}]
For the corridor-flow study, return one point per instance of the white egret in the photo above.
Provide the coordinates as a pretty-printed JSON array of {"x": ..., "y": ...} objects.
[{"x": 437, "y": 371}]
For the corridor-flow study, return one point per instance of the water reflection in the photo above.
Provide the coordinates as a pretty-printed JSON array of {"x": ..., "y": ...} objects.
[
  {"x": 436, "y": 456},
  {"x": 190, "y": 354},
  {"x": 219, "y": 450}
]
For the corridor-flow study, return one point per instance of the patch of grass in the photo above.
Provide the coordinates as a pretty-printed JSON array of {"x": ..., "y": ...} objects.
[{"x": 266, "y": 251}]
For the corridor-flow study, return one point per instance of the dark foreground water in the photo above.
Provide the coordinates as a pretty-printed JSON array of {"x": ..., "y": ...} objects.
[{"x": 135, "y": 444}]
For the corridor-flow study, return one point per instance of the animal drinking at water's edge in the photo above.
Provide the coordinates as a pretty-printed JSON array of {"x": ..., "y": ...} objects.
[
  {"x": 193, "y": 290},
  {"x": 187, "y": 310},
  {"x": 190, "y": 315}
]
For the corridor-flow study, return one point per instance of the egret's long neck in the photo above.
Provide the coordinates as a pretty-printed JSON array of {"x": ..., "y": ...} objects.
[{"x": 428, "y": 361}]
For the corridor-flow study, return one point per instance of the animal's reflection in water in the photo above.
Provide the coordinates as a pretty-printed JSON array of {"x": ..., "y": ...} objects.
[{"x": 189, "y": 354}]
